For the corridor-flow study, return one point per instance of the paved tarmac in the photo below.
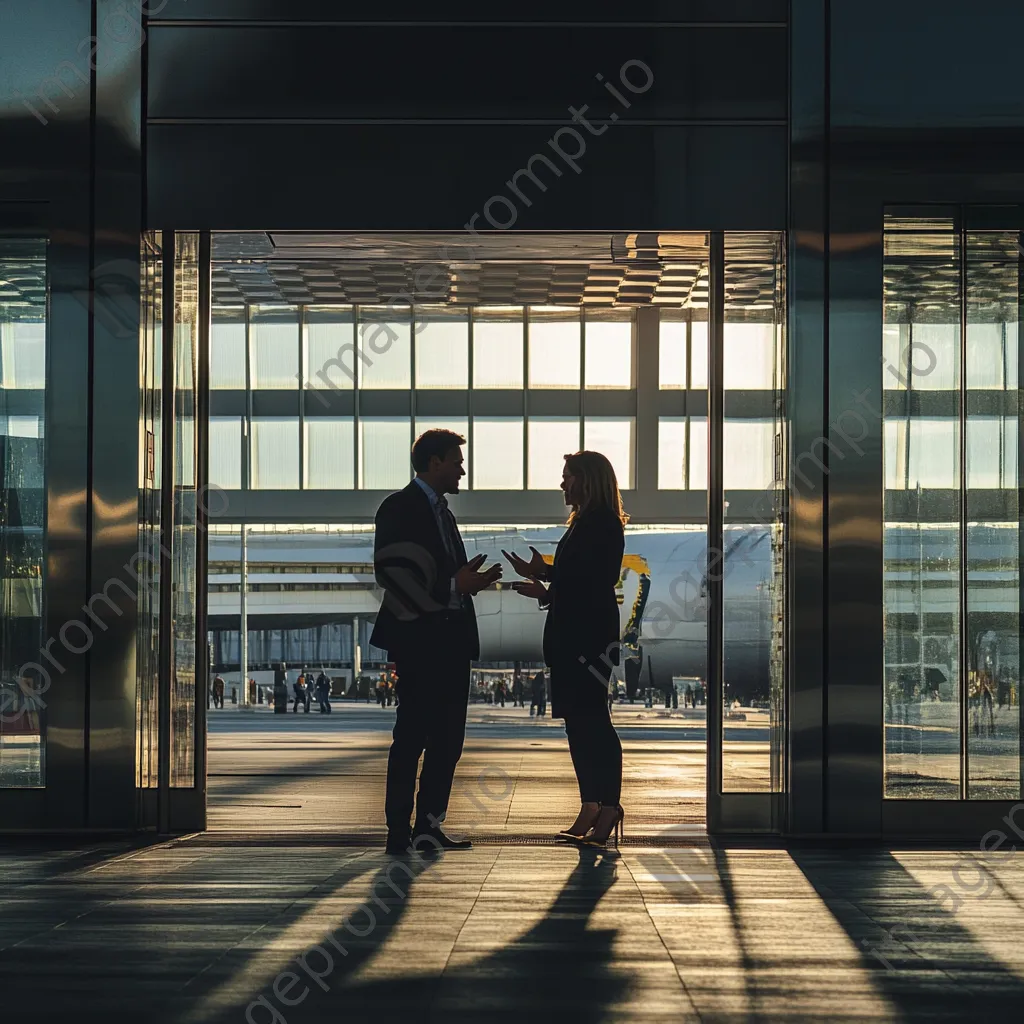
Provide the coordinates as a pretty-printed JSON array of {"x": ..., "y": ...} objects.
[{"x": 302, "y": 771}]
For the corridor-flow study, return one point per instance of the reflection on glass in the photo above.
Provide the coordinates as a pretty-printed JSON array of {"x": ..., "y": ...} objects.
[
  {"x": 329, "y": 453},
  {"x": 227, "y": 348},
  {"x": 23, "y": 304},
  {"x": 184, "y": 588},
  {"x": 992, "y": 627},
  {"x": 922, "y": 548},
  {"x": 274, "y": 459},
  {"x": 385, "y": 348},
  {"x": 442, "y": 347},
  {"x": 749, "y": 454},
  {"x": 147, "y": 659},
  {"x": 549, "y": 440},
  {"x": 274, "y": 347},
  {"x": 554, "y": 347},
  {"x": 922, "y": 451},
  {"x": 754, "y": 627},
  {"x": 697, "y": 454},
  {"x": 498, "y": 347},
  {"x": 612, "y": 436},
  {"x": 608, "y": 337},
  {"x": 226, "y": 452},
  {"x": 384, "y": 447},
  {"x": 497, "y": 453},
  {"x": 328, "y": 348}
]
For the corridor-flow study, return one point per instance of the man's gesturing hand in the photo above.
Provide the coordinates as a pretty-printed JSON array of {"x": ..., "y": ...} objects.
[{"x": 469, "y": 579}]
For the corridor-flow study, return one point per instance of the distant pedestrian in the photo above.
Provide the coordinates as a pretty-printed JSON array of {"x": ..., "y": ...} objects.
[
  {"x": 540, "y": 695},
  {"x": 299, "y": 694},
  {"x": 218, "y": 691}
]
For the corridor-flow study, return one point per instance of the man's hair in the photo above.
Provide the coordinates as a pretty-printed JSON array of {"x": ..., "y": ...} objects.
[{"x": 434, "y": 442}]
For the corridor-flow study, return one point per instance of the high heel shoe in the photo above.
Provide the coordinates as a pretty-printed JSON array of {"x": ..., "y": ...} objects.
[
  {"x": 584, "y": 822},
  {"x": 605, "y": 825}
]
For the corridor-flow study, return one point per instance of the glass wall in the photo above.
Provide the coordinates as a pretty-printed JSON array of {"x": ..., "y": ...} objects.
[
  {"x": 755, "y": 483},
  {"x": 183, "y": 546},
  {"x": 23, "y": 326},
  {"x": 951, "y": 572}
]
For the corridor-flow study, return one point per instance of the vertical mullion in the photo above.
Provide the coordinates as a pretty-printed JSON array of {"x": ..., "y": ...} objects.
[
  {"x": 412, "y": 377},
  {"x": 583, "y": 378},
  {"x": 302, "y": 400},
  {"x": 356, "y": 384},
  {"x": 716, "y": 522},
  {"x": 247, "y": 425},
  {"x": 964, "y": 632},
  {"x": 469, "y": 398},
  {"x": 687, "y": 384},
  {"x": 1020, "y": 465},
  {"x": 526, "y": 396}
]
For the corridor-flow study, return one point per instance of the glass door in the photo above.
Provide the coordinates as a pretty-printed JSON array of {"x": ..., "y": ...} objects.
[{"x": 747, "y": 501}]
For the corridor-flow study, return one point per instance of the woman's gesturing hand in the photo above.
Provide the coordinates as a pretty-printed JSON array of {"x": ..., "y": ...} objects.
[
  {"x": 533, "y": 569},
  {"x": 531, "y": 588}
]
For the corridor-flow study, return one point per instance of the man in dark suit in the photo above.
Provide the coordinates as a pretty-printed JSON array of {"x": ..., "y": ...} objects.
[{"x": 427, "y": 625}]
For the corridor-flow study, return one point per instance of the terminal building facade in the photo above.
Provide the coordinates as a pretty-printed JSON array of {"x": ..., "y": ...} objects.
[{"x": 766, "y": 256}]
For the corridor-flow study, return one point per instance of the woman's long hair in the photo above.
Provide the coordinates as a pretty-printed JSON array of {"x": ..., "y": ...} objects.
[{"x": 596, "y": 485}]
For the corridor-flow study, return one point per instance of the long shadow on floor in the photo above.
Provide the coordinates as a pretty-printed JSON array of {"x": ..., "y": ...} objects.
[
  {"x": 922, "y": 958},
  {"x": 559, "y": 970}
]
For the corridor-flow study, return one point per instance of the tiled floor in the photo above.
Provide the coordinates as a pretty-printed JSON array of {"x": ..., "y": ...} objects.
[{"x": 204, "y": 931}]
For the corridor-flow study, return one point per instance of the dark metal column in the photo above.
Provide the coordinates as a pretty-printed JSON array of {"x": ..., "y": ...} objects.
[
  {"x": 807, "y": 404},
  {"x": 715, "y": 586}
]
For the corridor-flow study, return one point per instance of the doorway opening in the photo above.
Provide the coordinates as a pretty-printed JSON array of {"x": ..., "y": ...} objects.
[{"x": 325, "y": 355}]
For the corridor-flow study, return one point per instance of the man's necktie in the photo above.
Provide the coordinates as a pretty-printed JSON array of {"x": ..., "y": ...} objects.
[{"x": 450, "y": 533}]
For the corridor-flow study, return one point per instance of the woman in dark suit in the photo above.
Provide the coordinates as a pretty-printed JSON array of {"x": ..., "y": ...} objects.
[{"x": 581, "y": 635}]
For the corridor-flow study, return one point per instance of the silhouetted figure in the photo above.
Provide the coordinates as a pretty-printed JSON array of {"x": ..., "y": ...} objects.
[{"x": 428, "y": 627}]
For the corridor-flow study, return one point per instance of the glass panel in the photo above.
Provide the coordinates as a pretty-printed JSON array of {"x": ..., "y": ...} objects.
[
  {"x": 613, "y": 438},
  {"x": 147, "y": 703},
  {"x": 921, "y": 556},
  {"x": 385, "y": 348},
  {"x": 442, "y": 347},
  {"x": 183, "y": 547},
  {"x": 384, "y": 447},
  {"x": 274, "y": 462},
  {"x": 699, "y": 351},
  {"x": 749, "y": 454},
  {"x": 749, "y": 356},
  {"x": 672, "y": 348},
  {"x": 672, "y": 453},
  {"x": 554, "y": 347},
  {"x": 549, "y": 439},
  {"x": 23, "y": 322},
  {"x": 697, "y": 454},
  {"x": 498, "y": 453},
  {"x": 330, "y": 453},
  {"x": 226, "y": 452},
  {"x": 753, "y": 722},
  {"x": 328, "y": 348},
  {"x": 498, "y": 347},
  {"x": 274, "y": 347},
  {"x": 227, "y": 348},
  {"x": 608, "y": 336},
  {"x": 992, "y": 639}
]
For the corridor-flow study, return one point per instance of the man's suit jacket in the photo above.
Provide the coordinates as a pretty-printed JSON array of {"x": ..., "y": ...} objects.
[
  {"x": 583, "y": 620},
  {"x": 414, "y": 569}
]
